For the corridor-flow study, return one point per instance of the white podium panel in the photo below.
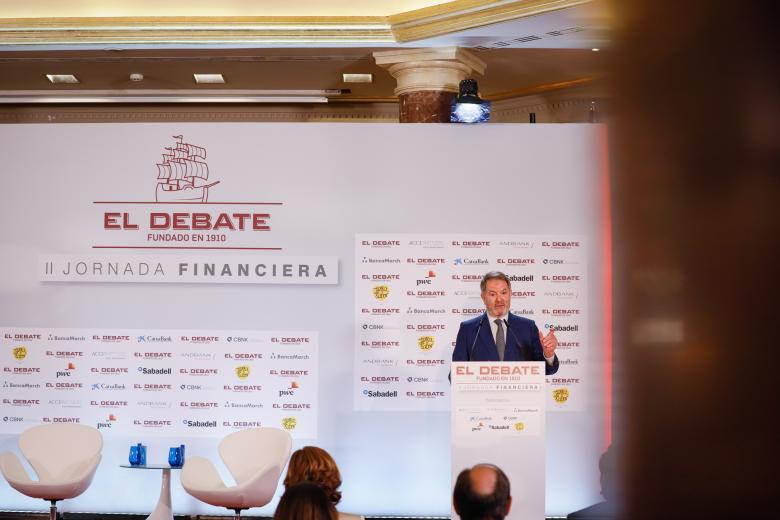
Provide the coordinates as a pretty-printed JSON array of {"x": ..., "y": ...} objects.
[{"x": 498, "y": 418}]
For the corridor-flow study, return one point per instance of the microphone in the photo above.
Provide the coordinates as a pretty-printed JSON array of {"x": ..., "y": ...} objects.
[{"x": 474, "y": 343}]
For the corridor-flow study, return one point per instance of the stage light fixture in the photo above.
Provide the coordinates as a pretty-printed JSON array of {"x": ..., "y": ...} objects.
[{"x": 468, "y": 107}]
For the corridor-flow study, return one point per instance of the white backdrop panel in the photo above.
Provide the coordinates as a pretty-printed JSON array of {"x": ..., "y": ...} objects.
[{"x": 321, "y": 185}]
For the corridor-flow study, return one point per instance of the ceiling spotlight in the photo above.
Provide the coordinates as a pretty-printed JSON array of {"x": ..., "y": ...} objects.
[
  {"x": 62, "y": 78},
  {"x": 595, "y": 49},
  {"x": 208, "y": 78},
  {"x": 468, "y": 107},
  {"x": 136, "y": 77}
]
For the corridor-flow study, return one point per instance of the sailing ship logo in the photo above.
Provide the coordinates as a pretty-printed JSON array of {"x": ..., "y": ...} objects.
[{"x": 183, "y": 174}]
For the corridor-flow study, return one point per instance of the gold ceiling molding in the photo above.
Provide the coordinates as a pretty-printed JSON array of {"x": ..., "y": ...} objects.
[
  {"x": 468, "y": 14},
  {"x": 409, "y": 26}
]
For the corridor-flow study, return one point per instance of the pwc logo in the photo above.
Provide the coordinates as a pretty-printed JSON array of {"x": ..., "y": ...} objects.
[{"x": 66, "y": 372}]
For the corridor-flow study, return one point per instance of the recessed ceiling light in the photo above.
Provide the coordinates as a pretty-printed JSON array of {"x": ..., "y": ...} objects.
[
  {"x": 357, "y": 78},
  {"x": 62, "y": 78},
  {"x": 595, "y": 49},
  {"x": 209, "y": 78}
]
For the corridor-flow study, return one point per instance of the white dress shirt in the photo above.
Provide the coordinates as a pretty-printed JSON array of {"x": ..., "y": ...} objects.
[{"x": 494, "y": 330}]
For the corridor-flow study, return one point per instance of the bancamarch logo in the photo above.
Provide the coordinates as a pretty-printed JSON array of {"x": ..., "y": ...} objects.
[
  {"x": 385, "y": 394},
  {"x": 425, "y": 343}
]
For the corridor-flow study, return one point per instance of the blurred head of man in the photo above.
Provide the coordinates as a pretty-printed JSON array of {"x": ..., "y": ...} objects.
[
  {"x": 496, "y": 293},
  {"x": 482, "y": 493}
]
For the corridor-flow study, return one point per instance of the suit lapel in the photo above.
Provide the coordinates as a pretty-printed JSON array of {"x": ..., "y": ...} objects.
[{"x": 486, "y": 339}]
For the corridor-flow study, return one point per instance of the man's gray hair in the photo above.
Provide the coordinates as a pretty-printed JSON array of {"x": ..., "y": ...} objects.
[{"x": 493, "y": 275}]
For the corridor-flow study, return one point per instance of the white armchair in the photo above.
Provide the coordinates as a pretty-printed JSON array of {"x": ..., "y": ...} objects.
[
  {"x": 254, "y": 457},
  {"x": 64, "y": 457}
]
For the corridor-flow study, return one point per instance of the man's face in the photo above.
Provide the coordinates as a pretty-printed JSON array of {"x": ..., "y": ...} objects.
[{"x": 497, "y": 297}]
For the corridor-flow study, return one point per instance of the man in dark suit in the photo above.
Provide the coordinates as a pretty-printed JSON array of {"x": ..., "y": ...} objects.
[{"x": 499, "y": 335}]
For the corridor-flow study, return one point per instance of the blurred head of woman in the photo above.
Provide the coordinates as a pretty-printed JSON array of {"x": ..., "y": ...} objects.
[
  {"x": 312, "y": 464},
  {"x": 305, "y": 501}
]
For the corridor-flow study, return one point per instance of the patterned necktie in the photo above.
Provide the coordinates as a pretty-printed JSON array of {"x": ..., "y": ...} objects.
[{"x": 500, "y": 340}]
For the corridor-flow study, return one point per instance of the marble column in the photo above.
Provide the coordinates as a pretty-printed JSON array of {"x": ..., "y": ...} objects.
[{"x": 427, "y": 80}]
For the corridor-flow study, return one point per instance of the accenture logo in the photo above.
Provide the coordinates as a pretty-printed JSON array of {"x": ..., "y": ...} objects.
[{"x": 435, "y": 244}]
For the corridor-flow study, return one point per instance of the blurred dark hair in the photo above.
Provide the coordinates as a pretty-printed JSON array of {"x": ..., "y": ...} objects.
[
  {"x": 305, "y": 501},
  {"x": 473, "y": 506},
  {"x": 313, "y": 464}
]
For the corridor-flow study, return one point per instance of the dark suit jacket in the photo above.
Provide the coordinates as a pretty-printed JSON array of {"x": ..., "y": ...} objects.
[{"x": 522, "y": 342}]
